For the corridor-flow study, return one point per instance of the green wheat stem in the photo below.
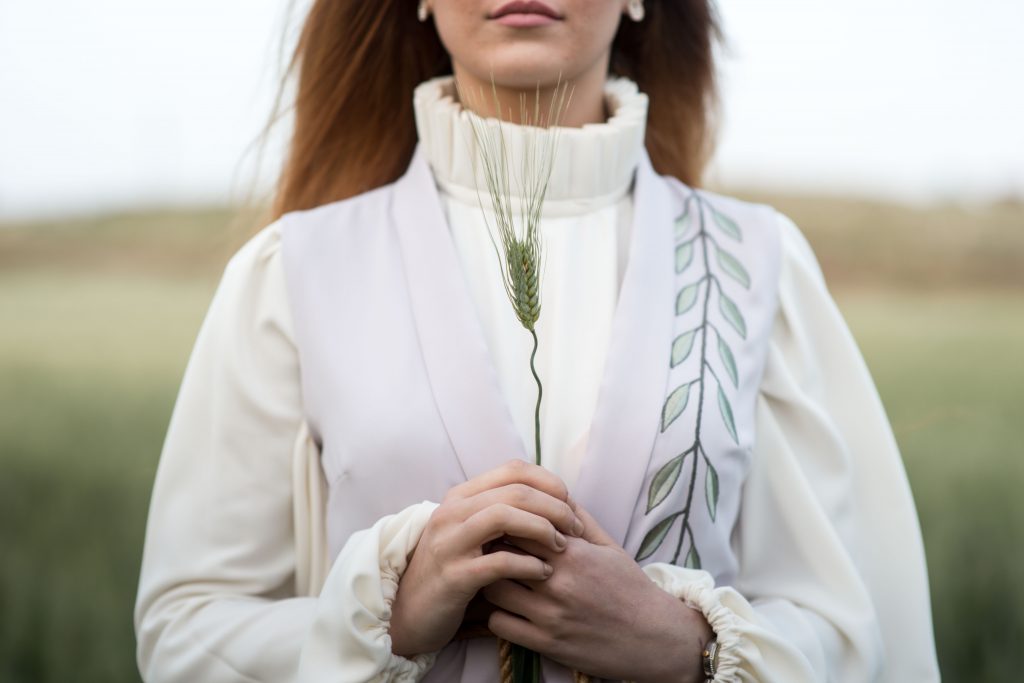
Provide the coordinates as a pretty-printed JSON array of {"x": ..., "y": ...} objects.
[
  {"x": 523, "y": 256},
  {"x": 540, "y": 392},
  {"x": 521, "y": 246}
]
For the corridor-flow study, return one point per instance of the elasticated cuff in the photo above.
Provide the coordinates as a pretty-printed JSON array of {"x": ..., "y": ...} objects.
[
  {"x": 350, "y": 640},
  {"x": 696, "y": 588}
]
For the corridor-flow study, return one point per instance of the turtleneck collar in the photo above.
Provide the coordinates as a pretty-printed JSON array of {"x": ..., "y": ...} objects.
[{"x": 593, "y": 167}]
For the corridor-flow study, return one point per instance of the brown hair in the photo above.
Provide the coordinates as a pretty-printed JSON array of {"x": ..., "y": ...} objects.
[{"x": 358, "y": 63}]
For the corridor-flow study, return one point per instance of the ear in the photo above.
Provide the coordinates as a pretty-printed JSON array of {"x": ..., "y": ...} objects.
[{"x": 592, "y": 531}]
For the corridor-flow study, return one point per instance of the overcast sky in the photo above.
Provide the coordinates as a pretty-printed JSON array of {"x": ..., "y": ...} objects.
[{"x": 120, "y": 103}]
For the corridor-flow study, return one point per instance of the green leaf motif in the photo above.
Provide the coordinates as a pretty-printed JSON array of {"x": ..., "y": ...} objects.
[
  {"x": 728, "y": 360},
  {"x": 711, "y": 489},
  {"x": 733, "y": 268},
  {"x": 732, "y": 313},
  {"x": 692, "y": 557},
  {"x": 681, "y": 347},
  {"x": 664, "y": 480},
  {"x": 654, "y": 538},
  {"x": 675, "y": 404},
  {"x": 727, "y": 225},
  {"x": 686, "y": 298},
  {"x": 684, "y": 255},
  {"x": 683, "y": 223},
  {"x": 726, "y": 409}
]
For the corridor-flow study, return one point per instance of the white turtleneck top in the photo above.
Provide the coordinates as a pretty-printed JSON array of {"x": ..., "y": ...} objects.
[{"x": 584, "y": 228}]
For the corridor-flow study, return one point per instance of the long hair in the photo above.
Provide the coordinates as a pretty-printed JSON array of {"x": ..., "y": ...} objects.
[{"x": 357, "y": 64}]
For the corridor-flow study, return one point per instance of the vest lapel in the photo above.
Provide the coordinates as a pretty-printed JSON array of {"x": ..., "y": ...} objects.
[
  {"x": 461, "y": 371},
  {"x": 629, "y": 402}
]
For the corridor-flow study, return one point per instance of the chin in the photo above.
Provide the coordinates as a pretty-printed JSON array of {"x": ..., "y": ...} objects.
[{"x": 526, "y": 70}]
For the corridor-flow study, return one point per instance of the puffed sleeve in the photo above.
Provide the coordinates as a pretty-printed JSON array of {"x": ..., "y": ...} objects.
[
  {"x": 217, "y": 598},
  {"x": 832, "y": 584}
]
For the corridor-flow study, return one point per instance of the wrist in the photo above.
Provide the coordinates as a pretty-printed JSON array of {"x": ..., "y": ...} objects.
[{"x": 680, "y": 645}]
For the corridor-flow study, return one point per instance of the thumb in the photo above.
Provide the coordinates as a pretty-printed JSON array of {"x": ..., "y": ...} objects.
[{"x": 592, "y": 531}]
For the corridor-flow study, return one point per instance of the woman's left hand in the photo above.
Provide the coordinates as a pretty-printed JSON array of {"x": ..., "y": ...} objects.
[{"x": 599, "y": 613}]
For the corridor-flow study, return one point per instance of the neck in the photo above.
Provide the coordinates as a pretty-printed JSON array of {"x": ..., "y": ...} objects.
[{"x": 575, "y": 103}]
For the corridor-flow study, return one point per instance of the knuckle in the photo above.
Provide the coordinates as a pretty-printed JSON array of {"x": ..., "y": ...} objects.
[
  {"x": 503, "y": 561},
  {"x": 439, "y": 517},
  {"x": 559, "y": 487},
  {"x": 451, "y": 576},
  {"x": 504, "y": 512},
  {"x": 436, "y": 546},
  {"x": 520, "y": 494},
  {"x": 552, "y": 616},
  {"x": 477, "y": 573},
  {"x": 568, "y": 516},
  {"x": 560, "y": 583},
  {"x": 516, "y": 465}
]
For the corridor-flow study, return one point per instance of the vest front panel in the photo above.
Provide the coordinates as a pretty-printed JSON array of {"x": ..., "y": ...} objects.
[
  {"x": 367, "y": 397},
  {"x": 399, "y": 395}
]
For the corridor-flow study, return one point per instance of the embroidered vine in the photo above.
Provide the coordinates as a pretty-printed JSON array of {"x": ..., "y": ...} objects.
[{"x": 675, "y": 405}]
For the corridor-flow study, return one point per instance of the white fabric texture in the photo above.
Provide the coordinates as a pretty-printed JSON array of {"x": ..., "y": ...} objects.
[
  {"x": 585, "y": 227},
  {"x": 234, "y": 585},
  {"x": 231, "y": 566}
]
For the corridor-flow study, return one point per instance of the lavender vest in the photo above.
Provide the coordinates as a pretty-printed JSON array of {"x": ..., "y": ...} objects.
[{"x": 403, "y": 398}]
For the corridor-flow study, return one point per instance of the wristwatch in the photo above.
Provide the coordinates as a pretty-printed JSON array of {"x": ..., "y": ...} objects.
[{"x": 709, "y": 659}]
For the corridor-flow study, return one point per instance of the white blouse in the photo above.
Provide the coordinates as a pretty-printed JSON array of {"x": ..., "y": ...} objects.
[
  {"x": 217, "y": 598},
  {"x": 585, "y": 227}
]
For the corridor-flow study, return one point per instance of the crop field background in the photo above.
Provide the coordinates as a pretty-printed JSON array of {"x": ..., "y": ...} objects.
[{"x": 98, "y": 315}]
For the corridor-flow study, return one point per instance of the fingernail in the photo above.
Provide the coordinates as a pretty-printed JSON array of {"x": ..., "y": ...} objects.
[
  {"x": 577, "y": 527},
  {"x": 560, "y": 541},
  {"x": 548, "y": 569},
  {"x": 571, "y": 502}
]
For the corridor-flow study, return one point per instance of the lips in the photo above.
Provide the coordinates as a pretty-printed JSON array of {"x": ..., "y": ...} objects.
[{"x": 524, "y": 7}]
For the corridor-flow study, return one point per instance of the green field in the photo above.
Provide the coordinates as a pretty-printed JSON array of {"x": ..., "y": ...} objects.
[{"x": 97, "y": 318}]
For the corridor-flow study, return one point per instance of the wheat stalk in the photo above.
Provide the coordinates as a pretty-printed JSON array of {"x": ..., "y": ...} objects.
[
  {"x": 520, "y": 245},
  {"x": 523, "y": 255}
]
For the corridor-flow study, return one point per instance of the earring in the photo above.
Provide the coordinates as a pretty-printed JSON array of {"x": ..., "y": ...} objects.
[
  {"x": 636, "y": 10},
  {"x": 422, "y": 12}
]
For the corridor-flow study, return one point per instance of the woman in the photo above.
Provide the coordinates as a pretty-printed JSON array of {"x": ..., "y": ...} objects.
[{"x": 343, "y": 493}]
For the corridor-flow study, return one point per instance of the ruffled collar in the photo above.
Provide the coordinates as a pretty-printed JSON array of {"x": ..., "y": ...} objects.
[{"x": 594, "y": 164}]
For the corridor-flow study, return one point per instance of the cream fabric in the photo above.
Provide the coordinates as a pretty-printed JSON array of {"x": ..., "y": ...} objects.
[
  {"x": 585, "y": 226},
  {"x": 235, "y": 584},
  {"x": 235, "y": 545},
  {"x": 217, "y": 597}
]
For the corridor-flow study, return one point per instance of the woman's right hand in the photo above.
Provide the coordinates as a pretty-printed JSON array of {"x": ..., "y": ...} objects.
[{"x": 449, "y": 564}]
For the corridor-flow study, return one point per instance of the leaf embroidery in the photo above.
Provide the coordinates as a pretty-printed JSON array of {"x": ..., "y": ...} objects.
[
  {"x": 727, "y": 225},
  {"x": 686, "y": 298},
  {"x": 725, "y": 353},
  {"x": 711, "y": 489},
  {"x": 668, "y": 475},
  {"x": 692, "y": 558},
  {"x": 732, "y": 267},
  {"x": 726, "y": 410},
  {"x": 681, "y": 347},
  {"x": 732, "y": 313},
  {"x": 684, "y": 256},
  {"x": 675, "y": 404},
  {"x": 655, "y": 536},
  {"x": 683, "y": 222},
  {"x": 664, "y": 480}
]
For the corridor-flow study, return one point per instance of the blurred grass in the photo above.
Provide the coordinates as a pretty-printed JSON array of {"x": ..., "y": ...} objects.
[{"x": 97, "y": 318}]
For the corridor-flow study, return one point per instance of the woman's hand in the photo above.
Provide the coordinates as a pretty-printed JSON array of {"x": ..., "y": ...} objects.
[
  {"x": 449, "y": 564},
  {"x": 599, "y": 613}
]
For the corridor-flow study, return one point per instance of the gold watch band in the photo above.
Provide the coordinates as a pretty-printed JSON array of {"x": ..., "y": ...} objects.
[{"x": 709, "y": 659}]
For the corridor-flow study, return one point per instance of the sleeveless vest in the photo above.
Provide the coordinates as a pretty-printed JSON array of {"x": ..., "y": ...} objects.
[{"x": 403, "y": 399}]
